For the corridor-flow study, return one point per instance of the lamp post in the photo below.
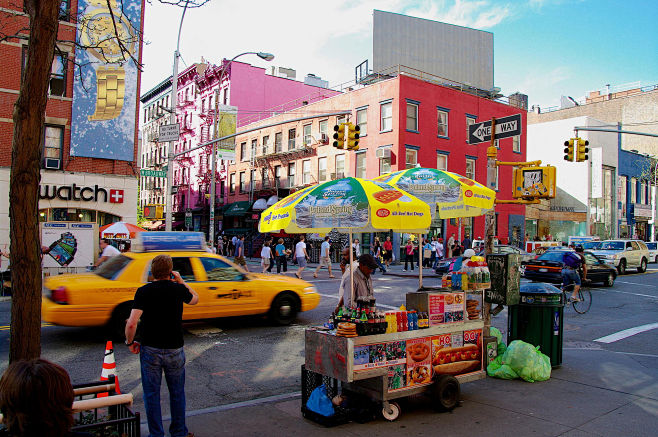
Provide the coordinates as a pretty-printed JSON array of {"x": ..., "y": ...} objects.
[{"x": 213, "y": 165}]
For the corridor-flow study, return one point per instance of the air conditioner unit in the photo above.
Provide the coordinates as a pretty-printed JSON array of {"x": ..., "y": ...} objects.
[
  {"x": 52, "y": 163},
  {"x": 324, "y": 139},
  {"x": 332, "y": 176},
  {"x": 383, "y": 153},
  {"x": 340, "y": 175}
]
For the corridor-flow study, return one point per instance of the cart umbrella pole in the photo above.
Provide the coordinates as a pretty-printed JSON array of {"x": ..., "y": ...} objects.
[
  {"x": 420, "y": 260},
  {"x": 351, "y": 269}
]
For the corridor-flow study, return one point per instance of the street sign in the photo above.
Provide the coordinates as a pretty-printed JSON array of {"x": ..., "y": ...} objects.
[
  {"x": 505, "y": 127},
  {"x": 188, "y": 218},
  {"x": 153, "y": 173},
  {"x": 168, "y": 132}
]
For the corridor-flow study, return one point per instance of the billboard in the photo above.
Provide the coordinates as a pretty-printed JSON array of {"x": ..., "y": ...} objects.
[
  {"x": 452, "y": 52},
  {"x": 105, "y": 93},
  {"x": 70, "y": 244},
  {"x": 226, "y": 125}
]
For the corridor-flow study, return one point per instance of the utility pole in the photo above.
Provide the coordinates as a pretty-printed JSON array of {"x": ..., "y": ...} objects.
[
  {"x": 170, "y": 158},
  {"x": 213, "y": 166},
  {"x": 492, "y": 154}
]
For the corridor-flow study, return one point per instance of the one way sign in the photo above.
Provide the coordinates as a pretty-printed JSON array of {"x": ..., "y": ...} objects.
[{"x": 505, "y": 127}]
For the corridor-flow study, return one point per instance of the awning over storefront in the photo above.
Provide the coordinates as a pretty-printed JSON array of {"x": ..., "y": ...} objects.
[
  {"x": 237, "y": 208},
  {"x": 260, "y": 205}
]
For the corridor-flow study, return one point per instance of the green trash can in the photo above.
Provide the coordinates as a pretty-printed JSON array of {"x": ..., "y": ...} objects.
[{"x": 538, "y": 319}]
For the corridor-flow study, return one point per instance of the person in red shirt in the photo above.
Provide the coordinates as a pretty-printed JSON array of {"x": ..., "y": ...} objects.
[{"x": 387, "y": 253}]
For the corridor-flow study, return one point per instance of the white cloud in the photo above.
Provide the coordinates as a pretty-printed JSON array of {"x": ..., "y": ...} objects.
[
  {"x": 540, "y": 85},
  {"x": 325, "y": 38}
]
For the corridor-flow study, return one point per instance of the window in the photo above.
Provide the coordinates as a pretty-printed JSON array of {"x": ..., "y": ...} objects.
[
  {"x": 340, "y": 119},
  {"x": 64, "y": 10},
  {"x": 277, "y": 175},
  {"x": 516, "y": 143},
  {"x": 385, "y": 164},
  {"x": 340, "y": 166},
  {"x": 243, "y": 151},
  {"x": 470, "y": 169},
  {"x": 324, "y": 127},
  {"x": 442, "y": 161},
  {"x": 232, "y": 183},
  {"x": 643, "y": 192},
  {"x": 254, "y": 148},
  {"x": 362, "y": 121},
  {"x": 412, "y": 158},
  {"x": 292, "y": 133},
  {"x": 264, "y": 178},
  {"x": 218, "y": 270},
  {"x": 308, "y": 139},
  {"x": 57, "y": 82},
  {"x": 633, "y": 190},
  {"x": 266, "y": 144},
  {"x": 442, "y": 118},
  {"x": 386, "y": 110},
  {"x": 184, "y": 267},
  {"x": 306, "y": 172},
  {"x": 412, "y": 117},
  {"x": 52, "y": 147},
  {"x": 361, "y": 165},
  {"x": 622, "y": 191},
  {"x": 278, "y": 140},
  {"x": 322, "y": 169},
  {"x": 243, "y": 183},
  {"x": 469, "y": 121},
  {"x": 252, "y": 179},
  {"x": 291, "y": 174}
]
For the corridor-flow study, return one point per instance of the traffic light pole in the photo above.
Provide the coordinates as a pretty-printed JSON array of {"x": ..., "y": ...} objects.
[{"x": 492, "y": 154}]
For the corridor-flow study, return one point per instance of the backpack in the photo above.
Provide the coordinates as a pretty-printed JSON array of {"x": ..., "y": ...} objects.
[{"x": 571, "y": 259}]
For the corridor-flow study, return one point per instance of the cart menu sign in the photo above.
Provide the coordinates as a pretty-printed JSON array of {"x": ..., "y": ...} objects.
[
  {"x": 446, "y": 308},
  {"x": 457, "y": 353}
]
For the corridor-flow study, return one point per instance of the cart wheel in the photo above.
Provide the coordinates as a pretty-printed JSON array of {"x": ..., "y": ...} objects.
[
  {"x": 445, "y": 393},
  {"x": 391, "y": 411}
]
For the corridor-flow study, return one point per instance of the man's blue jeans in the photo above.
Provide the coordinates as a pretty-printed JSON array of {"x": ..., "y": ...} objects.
[{"x": 153, "y": 362}]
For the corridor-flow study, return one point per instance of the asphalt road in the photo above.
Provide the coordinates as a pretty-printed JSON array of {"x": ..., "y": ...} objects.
[{"x": 242, "y": 359}]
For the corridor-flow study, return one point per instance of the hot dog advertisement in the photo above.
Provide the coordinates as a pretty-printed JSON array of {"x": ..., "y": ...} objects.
[
  {"x": 446, "y": 308},
  {"x": 419, "y": 361},
  {"x": 457, "y": 356}
]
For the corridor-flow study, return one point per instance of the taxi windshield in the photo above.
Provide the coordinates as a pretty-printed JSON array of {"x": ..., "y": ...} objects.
[
  {"x": 111, "y": 268},
  {"x": 612, "y": 245}
]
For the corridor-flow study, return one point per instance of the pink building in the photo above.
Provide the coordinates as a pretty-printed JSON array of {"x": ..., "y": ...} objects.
[{"x": 254, "y": 93}]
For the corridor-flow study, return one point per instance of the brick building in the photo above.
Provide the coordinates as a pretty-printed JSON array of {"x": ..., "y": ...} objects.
[
  {"x": 88, "y": 177},
  {"x": 405, "y": 121}
]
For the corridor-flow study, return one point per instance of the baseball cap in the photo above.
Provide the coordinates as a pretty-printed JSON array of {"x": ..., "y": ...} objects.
[{"x": 367, "y": 260}]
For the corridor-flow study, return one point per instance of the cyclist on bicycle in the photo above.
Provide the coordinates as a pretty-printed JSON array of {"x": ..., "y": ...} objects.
[{"x": 570, "y": 272}]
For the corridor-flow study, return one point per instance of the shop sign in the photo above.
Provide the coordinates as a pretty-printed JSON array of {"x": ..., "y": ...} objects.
[
  {"x": 563, "y": 208},
  {"x": 642, "y": 210},
  {"x": 85, "y": 194}
]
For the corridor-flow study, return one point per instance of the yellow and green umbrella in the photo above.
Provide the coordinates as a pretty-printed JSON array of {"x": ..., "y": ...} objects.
[
  {"x": 454, "y": 195},
  {"x": 347, "y": 204}
]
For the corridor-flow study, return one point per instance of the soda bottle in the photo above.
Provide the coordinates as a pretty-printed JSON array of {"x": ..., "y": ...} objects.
[
  {"x": 415, "y": 319},
  {"x": 364, "y": 316}
]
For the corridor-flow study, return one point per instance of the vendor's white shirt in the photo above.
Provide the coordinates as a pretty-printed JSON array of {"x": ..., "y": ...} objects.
[
  {"x": 299, "y": 249},
  {"x": 345, "y": 284},
  {"x": 265, "y": 252},
  {"x": 110, "y": 251}
]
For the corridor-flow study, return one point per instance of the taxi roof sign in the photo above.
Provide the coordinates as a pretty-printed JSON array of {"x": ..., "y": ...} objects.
[{"x": 169, "y": 241}]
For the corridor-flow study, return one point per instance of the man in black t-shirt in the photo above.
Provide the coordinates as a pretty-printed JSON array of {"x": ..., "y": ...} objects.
[{"x": 159, "y": 304}]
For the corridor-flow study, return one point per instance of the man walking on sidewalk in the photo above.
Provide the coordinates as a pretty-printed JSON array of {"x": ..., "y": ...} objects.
[
  {"x": 159, "y": 304},
  {"x": 301, "y": 256},
  {"x": 325, "y": 258}
]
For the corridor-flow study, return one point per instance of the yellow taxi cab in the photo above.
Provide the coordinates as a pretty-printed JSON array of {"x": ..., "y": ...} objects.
[{"x": 104, "y": 297}]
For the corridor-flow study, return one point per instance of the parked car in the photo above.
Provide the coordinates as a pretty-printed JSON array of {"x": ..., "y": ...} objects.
[
  {"x": 624, "y": 254},
  {"x": 653, "y": 251},
  {"x": 548, "y": 268}
]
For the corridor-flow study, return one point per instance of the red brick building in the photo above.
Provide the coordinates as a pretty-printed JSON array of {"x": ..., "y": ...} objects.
[
  {"x": 405, "y": 120},
  {"x": 75, "y": 187}
]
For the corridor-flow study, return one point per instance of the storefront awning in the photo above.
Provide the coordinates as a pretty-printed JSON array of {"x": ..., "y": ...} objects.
[
  {"x": 260, "y": 205},
  {"x": 237, "y": 208}
]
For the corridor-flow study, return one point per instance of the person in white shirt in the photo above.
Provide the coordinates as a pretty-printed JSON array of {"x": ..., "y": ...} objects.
[
  {"x": 108, "y": 252},
  {"x": 265, "y": 255},
  {"x": 325, "y": 259},
  {"x": 345, "y": 280},
  {"x": 210, "y": 249},
  {"x": 301, "y": 255},
  {"x": 357, "y": 247}
]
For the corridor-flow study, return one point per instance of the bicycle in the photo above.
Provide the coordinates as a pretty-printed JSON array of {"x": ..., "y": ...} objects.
[{"x": 584, "y": 294}]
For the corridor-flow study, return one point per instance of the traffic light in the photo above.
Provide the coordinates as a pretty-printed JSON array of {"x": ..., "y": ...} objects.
[
  {"x": 568, "y": 150},
  {"x": 581, "y": 155},
  {"x": 339, "y": 136},
  {"x": 352, "y": 137},
  {"x": 534, "y": 182}
]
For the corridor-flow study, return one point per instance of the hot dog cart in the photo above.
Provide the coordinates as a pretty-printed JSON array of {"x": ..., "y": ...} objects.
[{"x": 398, "y": 364}]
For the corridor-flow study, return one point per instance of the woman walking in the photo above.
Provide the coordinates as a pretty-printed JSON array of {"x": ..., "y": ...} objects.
[
  {"x": 281, "y": 255},
  {"x": 387, "y": 252},
  {"x": 377, "y": 254},
  {"x": 408, "y": 255}
]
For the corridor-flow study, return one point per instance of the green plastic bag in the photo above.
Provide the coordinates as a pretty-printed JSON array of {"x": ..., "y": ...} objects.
[
  {"x": 522, "y": 359},
  {"x": 501, "y": 346}
]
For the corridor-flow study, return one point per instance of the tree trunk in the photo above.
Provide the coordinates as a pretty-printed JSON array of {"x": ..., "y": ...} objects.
[{"x": 29, "y": 117}]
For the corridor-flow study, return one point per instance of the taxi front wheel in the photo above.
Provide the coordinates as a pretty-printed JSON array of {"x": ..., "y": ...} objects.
[
  {"x": 284, "y": 309},
  {"x": 117, "y": 325}
]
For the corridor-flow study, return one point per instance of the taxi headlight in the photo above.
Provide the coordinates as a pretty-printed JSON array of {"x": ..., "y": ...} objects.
[{"x": 310, "y": 290}]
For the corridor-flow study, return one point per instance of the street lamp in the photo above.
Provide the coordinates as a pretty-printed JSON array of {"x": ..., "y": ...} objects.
[{"x": 263, "y": 55}]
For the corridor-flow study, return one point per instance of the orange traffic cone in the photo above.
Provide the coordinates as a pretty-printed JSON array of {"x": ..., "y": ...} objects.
[{"x": 109, "y": 368}]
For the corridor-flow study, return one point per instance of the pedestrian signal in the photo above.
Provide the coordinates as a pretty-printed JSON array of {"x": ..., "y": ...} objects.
[
  {"x": 568, "y": 150},
  {"x": 582, "y": 156},
  {"x": 536, "y": 182},
  {"x": 339, "y": 136}
]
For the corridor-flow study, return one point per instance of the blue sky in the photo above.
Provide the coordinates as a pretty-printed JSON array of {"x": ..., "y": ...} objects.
[{"x": 543, "y": 48}]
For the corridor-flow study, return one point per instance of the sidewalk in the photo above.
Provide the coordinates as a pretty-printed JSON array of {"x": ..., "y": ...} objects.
[{"x": 595, "y": 392}]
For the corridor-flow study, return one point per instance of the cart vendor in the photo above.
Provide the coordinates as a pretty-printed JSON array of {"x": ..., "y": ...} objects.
[{"x": 363, "y": 291}]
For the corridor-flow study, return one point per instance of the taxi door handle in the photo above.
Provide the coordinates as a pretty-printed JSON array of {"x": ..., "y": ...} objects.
[{"x": 212, "y": 288}]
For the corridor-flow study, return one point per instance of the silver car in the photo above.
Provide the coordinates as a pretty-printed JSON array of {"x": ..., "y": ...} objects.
[{"x": 624, "y": 254}]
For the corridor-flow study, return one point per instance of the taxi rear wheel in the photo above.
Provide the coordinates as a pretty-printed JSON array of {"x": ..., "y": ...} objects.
[
  {"x": 117, "y": 325},
  {"x": 284, "y": 309}
]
